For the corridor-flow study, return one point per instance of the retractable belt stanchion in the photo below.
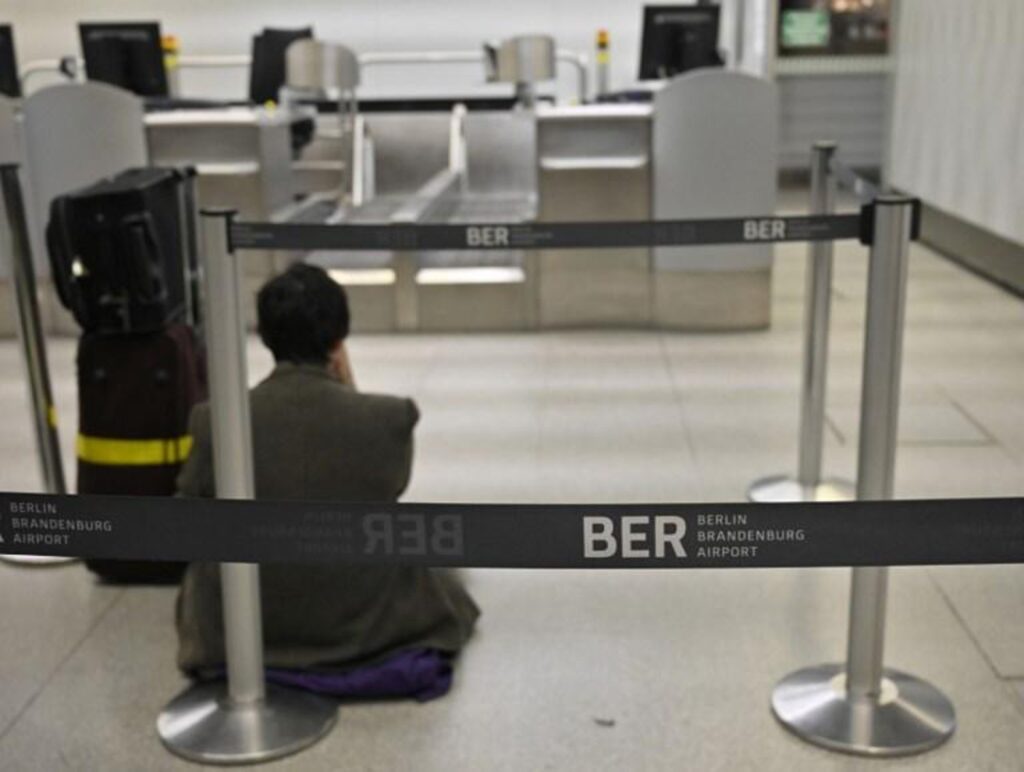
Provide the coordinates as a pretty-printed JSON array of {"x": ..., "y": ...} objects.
[
  {"x": 857, "y": 707},
  {"x": 808, "y": 485},
  {"x": 862, "y": 707},
  {"x": 33, "y": 349},
  {"x": 249, "y": 720}
]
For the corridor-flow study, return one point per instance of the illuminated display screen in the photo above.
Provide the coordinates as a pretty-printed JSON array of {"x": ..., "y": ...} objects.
[
  {"x": 806, "y": 29},
  {"x": 833, "y": 27}
]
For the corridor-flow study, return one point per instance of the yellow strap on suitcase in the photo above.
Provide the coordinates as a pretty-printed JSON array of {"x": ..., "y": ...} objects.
[{"x": 116, "y": 452}]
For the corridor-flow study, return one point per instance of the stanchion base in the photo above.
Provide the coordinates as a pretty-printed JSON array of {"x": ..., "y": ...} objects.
[
  {"x": 911, "y": 716},
  {"x": 37, "y": 560},
  {"x": 782, "y": 489},
  {"x": 202, "y": 725}
]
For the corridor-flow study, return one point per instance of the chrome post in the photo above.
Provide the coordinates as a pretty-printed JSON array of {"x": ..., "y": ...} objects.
[
  {"x": 248, "y": 721},
  {"x": 33, "y": 349},
  {"x": 359, "y": 158},
  {"x": 862, "y": 707},
  {"x": 808, "y": 485},
  {"x": 33, "y": 344}
]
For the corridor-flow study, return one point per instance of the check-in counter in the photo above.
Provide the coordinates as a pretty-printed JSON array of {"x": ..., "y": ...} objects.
[
  {"x": 715, "y": 140},
  {"x": 705, "y": 148},
  {"x": 444, "y": 167},
  {"x": 594, "y": 164},
  {"x": 243, "y": 159},
  {"x": 243, "y": 155}
]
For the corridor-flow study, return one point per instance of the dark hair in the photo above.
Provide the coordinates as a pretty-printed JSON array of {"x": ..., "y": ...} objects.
[{"x": 302, "y": 314}]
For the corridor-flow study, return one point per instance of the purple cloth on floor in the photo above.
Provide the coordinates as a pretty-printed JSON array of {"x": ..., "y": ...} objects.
[{"x": 424, "y": 674}]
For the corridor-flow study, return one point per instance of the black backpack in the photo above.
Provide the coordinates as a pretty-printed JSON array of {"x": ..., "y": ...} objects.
[{"x": 119, "y": 256}]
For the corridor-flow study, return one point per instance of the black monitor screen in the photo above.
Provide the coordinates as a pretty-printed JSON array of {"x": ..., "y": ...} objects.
[
  {"x": 9, "y": 83},
  {"x": 267, "y": 73},
  {"x": 128, "y": 55},
  {"x": 678, "y": 38}
]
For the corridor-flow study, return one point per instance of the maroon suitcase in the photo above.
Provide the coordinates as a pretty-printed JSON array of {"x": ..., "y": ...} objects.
[{"x": 135, "y": 394}]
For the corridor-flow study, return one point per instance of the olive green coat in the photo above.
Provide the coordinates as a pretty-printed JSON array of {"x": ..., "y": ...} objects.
[{"x": 316, "y": 439}]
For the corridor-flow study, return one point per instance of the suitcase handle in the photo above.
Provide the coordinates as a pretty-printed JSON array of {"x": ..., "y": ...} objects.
[{"x": 142, "y": 257}]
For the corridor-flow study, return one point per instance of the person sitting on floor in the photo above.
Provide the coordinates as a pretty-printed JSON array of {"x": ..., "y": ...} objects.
[{"x": 350, "y": 630}]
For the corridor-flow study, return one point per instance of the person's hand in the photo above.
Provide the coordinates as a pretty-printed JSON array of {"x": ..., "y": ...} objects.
[{"x": 340, "y": 366}]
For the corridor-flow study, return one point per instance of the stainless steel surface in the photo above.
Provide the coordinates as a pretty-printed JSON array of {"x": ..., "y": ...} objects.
[
  {"x": 483, "y": 171},
  {"x": 715, "y": 142},
  {"x": 847, "y": 178},
  {"x": 458, "y": 154},
  {"x": 410, "y": 149},
  {"x": 523, "y": 60},
  {"x": 866, "y": 636},
  {"x": 363, "y": 163},
  {"x": 861, "y": 707},
  {"x": 314, "y": 65},
  {"x": 593, "y": 132},
  {"x": 33, "y": 350},
  {"x": 246, "y": 723},
  {"x": 908, "y": 717},
  {"x": 808, "y": 486},
  {"x": 372, "y": 58},
  {"x": 375, "y": 58},
  {"x": 30, "y": 334},
  {"x": 407, "y": 314},
  {"x": 61, "y": 155},
  {"x": 816, "y": 322},
  {"x": 883, "y": 347},
  {"x": 244, "y": 159},
  {"x": 219, "y": 143},
  {"x": 502, "y": 152},
  {"x": 782, "y": 489},
  {"x": 10, "y": 141},
  {"x": 593, "y": 165},
  {"x": 580, "y": 63},
  {"x": 27, "y": 304},
  {"x": 642, "y": 112},
  {"x": 232, "y": 449},
  {"x": 440, "y": 189},
  {"x": 879, "y": 425},
  {"x": 203, "y": 726}
]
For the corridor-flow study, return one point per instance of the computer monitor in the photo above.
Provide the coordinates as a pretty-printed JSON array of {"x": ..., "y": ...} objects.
[
  {"x": 267, "y": 73},
  {"x": 128, "y": 54},
  {"x": 10, "y": 85},
  {"x": 678, "y": 38}
]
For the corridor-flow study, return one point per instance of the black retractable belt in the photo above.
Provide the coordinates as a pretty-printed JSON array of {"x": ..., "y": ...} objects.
[
  {"x": 564, "y": 235},
  {"x": 518, "y": 535}
]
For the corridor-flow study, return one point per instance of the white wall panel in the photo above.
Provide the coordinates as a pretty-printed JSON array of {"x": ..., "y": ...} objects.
[{"x": 958, "y": 109}]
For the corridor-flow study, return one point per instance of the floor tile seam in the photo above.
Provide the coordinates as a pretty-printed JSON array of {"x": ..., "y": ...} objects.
[
  {"x": 1016, "y": 694},
  {"x": 31, "y": 701},
  {"x": 970, "y": 417},
  {"x": 677, "y": 396},
  {"x": 543, "y": 406},
  {"x": 966, "y": 627}
]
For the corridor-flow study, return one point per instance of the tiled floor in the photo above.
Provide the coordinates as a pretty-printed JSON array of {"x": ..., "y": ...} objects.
[{"x": 595, "y": 670}]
